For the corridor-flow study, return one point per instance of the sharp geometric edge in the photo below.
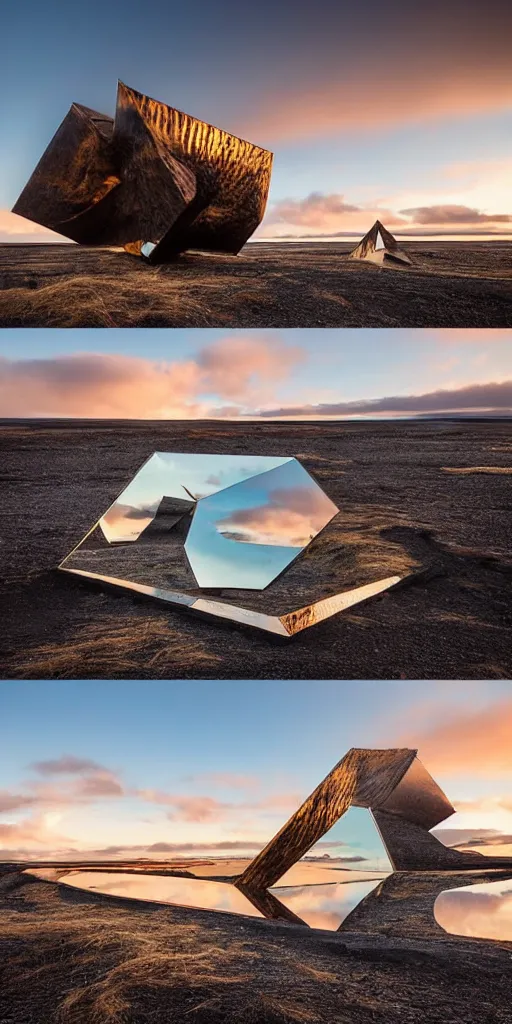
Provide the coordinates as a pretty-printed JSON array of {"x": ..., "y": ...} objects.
[
  {"x": 367, "y": 249},
  {"x": 369, "y": 778},
  {"x": 286, "y": 625},
  {"x": 153, "y": 178}
]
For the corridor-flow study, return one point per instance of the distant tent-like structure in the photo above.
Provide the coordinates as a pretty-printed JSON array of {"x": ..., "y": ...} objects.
[{"x": 379, "y": 246}]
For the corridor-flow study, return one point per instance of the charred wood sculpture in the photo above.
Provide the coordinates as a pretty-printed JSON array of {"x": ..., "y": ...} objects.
[
  {"x": 404, "y": 800},
  {"x": 153, "y": 179},
  {"x": 379, "y": 246}
]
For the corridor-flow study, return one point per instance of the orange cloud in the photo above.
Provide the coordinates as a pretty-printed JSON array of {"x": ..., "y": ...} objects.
[
  {"x": 481, "y": 335},
  {"x": 476, "y": 741}
]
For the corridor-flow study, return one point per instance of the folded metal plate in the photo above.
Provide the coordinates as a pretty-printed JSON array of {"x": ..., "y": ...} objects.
[
  {"x": 154, "y": 180},
  {"x": 379, "y": 246},
  {"x": 232, "y": 178},
  {"x": 360, "y": 778},
  {"x": 75, "y": 172},
  {"x": 418, "y": 798},
  {"x": 286, "y": 625}
]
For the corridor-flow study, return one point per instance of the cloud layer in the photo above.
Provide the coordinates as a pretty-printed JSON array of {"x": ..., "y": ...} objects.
[
  {"x": 237, "y": 369},
  {"x": 243, "y": 371},
  {"x": 329, "y": 215},
  {"x": 495, "y": 397}
]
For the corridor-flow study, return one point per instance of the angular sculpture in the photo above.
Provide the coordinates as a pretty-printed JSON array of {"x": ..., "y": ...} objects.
[
  {"x": 153, "y": 179},
  {"x": 404, "y": 801},
  {"x": 379, "y": 246},
  {"x": 189, "y": 525}
]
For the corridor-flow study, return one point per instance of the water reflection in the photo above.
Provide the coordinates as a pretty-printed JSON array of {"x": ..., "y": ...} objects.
[
  {"x": 319, "y": 906},
  {"x": 482, "y": 911}
]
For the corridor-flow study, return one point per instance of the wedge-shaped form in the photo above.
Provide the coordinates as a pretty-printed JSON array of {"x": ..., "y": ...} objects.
[
  {"x": 405, "y": 802},
  {"x": 153, "y": 179},
  {"x": 221, "y": 535},
  {"x": 379, "y": 246}
]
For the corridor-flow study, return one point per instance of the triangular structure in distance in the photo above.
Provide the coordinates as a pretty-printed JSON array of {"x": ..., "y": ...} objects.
[{"x": 379, "y": 246}]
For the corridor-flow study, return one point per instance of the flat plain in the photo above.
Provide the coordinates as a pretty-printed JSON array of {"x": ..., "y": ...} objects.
[
  {"x": 273, "y": 285},
  {"x": 426, "y": 500}
]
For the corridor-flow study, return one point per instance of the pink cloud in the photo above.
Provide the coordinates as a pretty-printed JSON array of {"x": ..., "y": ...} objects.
[
  {"x": 68, "y": 764},
  {"x": 330, "y": 215},
  {"x": 292, "y": 516},
  {"x": 106, "y": 385},
  {"x": 454, "y": 214},
  {"x": 242, "y": 367}
]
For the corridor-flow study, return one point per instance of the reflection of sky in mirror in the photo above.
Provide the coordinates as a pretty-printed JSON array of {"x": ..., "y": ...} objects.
[
  {"x": 189, "y": 892},
  {"x": 246, "y": 535},
  {"x": 356, "y": 840},
  {"x": 176, "y": 475},
  {"x": 320, "y": 906},
  {"x": 482, "y": 911},
  {"x": 325, "y": 906}
]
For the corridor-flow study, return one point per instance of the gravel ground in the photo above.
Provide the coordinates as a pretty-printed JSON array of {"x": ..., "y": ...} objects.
[
  {"x": 449, "y": 284},
  {"x": 401, "y": 512}
]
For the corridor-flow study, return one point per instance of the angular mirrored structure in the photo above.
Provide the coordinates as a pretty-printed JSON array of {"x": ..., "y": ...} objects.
[
  {"x": 152, "y": 179},
  {"x": 222, "y": 535},
  {"x": 379, "y": 246},
  {"x": 404, "y": 800}
]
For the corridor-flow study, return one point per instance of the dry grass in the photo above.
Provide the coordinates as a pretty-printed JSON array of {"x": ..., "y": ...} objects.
[
  {"x": 102, "y": 301},
  {"x": 98, "y": 968},
  {"x": 73, "y": 957},
  {"x": 310, "y": 285},
  {"x": 469, "y": 470},
  {"x": 114, "y": 649}
]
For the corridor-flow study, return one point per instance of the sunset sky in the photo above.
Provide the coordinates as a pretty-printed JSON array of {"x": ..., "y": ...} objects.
[
  {"x": 166, "y": 374},
  {"x": 401, "y": 111},
  {"x": 164, "y": 768}
]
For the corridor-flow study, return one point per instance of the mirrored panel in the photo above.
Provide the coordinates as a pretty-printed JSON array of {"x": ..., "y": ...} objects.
[
  {"x": 183, "y": 477},
  {"x": 482, "y": 911},
  {"x": 325, "y": 906},
  {"x": 319, "y": 906},
  {"x": 221, "y": 535},
  {"x": 245, "y": 535}
]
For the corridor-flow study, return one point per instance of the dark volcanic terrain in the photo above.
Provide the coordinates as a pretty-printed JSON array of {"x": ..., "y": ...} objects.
[
  {"x": 428, "y": 498},
  {"x": 79, "y": 957},
  {"x": 309, "y": 284}
]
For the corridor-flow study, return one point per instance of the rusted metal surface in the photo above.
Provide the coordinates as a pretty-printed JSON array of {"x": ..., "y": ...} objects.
[
  {"x": 405, "y": 803},
  {"x": 152, "y": 176}
]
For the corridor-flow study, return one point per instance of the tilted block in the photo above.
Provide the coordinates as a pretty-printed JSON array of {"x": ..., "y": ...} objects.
[{"x": 153, "y": 179}]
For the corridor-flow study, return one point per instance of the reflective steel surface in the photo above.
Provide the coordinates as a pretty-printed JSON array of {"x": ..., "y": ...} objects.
[{"x": 482, "y": 911}]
